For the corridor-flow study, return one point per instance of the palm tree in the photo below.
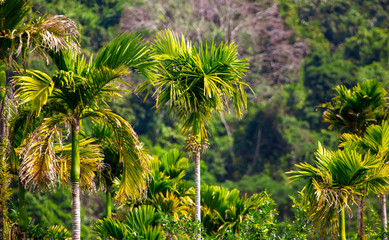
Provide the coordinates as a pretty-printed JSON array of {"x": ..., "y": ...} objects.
[
  {"x": 194, "y": 83},
  {"x": 17, "y": 35},
  {"x": 353, "y": 111},
  {"x": 337, "y": 178},
  {"x": 376, "y": 141},
  {"x": 75, "y": 92}
]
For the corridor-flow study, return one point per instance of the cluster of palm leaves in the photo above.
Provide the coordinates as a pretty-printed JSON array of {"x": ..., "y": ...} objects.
[
  {"x": 169, "y": 196},
  {"x": 347, "y": 176},
  {"x": 225, "y": 210},
  {"x": 138, "y": 224}
]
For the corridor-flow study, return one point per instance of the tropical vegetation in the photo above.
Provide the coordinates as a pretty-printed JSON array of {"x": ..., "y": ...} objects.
[{"x": 116, "y": 101}]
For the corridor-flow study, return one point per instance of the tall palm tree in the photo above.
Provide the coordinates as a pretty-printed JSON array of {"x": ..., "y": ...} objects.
[
  {"x": 20, "y": 31},
  {"x": 376, "y": 141},
  {"x": 75, "y": 92},
  {"x": 194, "y": 83},
  {"x": 337, "y": 178},
  {"x": 353, "y": 111}
]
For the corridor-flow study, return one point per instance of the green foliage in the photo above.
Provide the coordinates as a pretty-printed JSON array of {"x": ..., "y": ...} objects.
[
  {"x": 110, "y": 228},
  {"x": 347, "y": 44},
  {"x": 141, "y": 223},
  {"x": 194, "y": 83},
  {"x": 368, "y": 46},
  {"x": 182, "y": 228},
  {"x": 354, "y": 110},
  {"x": 337, "y": 178},
  {"x": 45, "y": 232},
  {"x": 323, "y": 71}
]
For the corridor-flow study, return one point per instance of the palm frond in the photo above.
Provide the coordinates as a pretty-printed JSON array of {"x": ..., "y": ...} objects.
[
  {"x": 109, "y": 227},
  {"x": 12, "y": 13},
  {"x": 41, "y": 33},
  {"x": 140, "y": 218},
  {"x": 129, "y": 51},
  {"x": 133, "y": 157},
  {"x": 34, "y": 89},
  {"x": 56, "y": 33},
  {"x": 40, "y": 165},
  {"x": 354, "y": 110},
  {"x": 375, "y": 140},
  {"x": 337, "y": 178}
]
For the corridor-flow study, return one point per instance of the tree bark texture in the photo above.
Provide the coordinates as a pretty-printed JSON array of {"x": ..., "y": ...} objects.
[
  {"x": 76, "y": 210},
  {"x": 384, "y": 217},
  {"x": 197, "y": 188},
  {"x": 75, "y": 178}
]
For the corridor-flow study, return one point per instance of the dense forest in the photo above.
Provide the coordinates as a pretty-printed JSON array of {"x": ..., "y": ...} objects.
[{"x": 305, "y": 58}]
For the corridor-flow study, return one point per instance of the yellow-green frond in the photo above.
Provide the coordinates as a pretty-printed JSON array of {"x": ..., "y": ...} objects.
[{"x": 34, "y": 89}]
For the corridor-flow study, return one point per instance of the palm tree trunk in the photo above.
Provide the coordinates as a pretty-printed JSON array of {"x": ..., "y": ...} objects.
[
  {"x": 384, "y": 216},
  {"x": 4, "y": 194},
  {"x": 197, "y": 188},
  {"x": 75, "y": 178},
  {"x": 23, "y": 220},
  {"x": 4, "y": 178},
  {"x": 342, "y": 225},
  {"x": 361, "y": 218},
  {"x": 108, "y": 201},
  {"x": 197, "y": 192}
]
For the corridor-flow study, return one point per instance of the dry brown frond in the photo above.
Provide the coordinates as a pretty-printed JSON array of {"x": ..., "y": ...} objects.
[
  {"x": 43, "y": 35},
  {"x": 54, "y": 32}
]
